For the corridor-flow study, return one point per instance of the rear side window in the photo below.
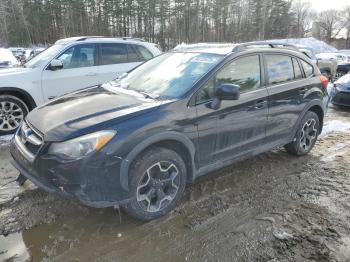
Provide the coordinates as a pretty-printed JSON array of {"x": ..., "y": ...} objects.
[
  {"x": 133, "y": 55},
  {"x": 113, "y": 54},
  {"x": 147, "y": 55},
  {"x": 308, "y": 69},
  {"x": 279, "y": 69},
  {"x": 297, "y": 71},
  {"x": 137, "y": 53}
]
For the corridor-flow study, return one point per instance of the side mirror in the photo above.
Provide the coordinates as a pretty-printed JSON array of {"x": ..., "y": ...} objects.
[
  {"x": 227, "y": 92},
  {"x": 56, "y": 65}
]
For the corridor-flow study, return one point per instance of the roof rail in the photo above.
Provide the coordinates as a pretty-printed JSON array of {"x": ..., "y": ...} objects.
[
  {"x": 132, "y": 38},
  {"x": 123, "y": 38},
  {"x": 243, "y": 46},
  {"x": 83, "y": 38}
]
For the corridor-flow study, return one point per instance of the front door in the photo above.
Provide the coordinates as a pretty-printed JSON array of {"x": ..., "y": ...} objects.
[
  {"x": 79, "y": 71},
  {"x": 240, "y": 124}
]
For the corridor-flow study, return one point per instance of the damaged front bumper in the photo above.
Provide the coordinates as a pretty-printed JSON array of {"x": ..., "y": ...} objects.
[{"x": 94, "y": 180}]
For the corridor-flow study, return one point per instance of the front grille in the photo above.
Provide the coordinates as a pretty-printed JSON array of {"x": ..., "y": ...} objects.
[
  {"x": 342, "y": 98},
  {"x": 29, "y": 141}
]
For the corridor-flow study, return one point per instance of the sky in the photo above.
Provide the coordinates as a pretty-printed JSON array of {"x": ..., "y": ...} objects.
[{"x": 321, "y": 5}]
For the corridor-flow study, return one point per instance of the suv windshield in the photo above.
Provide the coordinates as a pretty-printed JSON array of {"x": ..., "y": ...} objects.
[
  {"x": 43, "y": 56},
  {"x": 169, "y": 75}
]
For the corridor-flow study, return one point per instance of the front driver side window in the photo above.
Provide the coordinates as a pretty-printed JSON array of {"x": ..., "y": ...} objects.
[
  {"x": 244, "y": 71},
  {"x": 78, "y": 56}
]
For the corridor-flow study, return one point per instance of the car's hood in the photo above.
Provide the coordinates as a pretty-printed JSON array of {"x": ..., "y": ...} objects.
[
  {"x": 344, "y": 81},
  {"x": 14, "y": 71},
  {"x": 87, "y": 111}
]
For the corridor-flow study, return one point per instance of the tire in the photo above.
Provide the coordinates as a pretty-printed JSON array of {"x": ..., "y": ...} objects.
[
  {"x": 146, "y": 182},
  {"x": 306, "y": 135},
  {"x": 12, "y": 112}
]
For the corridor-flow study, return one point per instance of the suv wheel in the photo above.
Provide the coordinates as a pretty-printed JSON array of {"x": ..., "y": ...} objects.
[
  {"x": 12, "y": 112},
  {"x": 306, "y": 136},
  {"x": 157, "y": 182}
]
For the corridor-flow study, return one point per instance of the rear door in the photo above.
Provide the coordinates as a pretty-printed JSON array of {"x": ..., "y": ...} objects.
[
  {"x": 79, "y": 71},
  {"x": 287, "y": 87}
]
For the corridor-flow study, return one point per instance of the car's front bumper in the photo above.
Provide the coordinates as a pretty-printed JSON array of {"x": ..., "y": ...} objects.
[{"x": 95, "y": 181}]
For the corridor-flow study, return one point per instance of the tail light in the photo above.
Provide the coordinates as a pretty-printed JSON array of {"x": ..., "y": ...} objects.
[{"x": 324, "y": 81}]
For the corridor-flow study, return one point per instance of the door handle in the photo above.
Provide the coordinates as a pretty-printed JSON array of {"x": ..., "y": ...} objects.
[
  {"x": 302, "y": 90},
  {"x": 91, "y": 74},
  {"x": 260, "y": 104}
]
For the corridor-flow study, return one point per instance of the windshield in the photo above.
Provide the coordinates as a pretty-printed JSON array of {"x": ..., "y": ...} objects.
[
  {"x": 169, "y": 75},
  {"x": 43, "y": 56}
]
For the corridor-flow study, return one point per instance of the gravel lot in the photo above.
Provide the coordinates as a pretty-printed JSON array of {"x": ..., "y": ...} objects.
[{"x": 273, "y": 207}]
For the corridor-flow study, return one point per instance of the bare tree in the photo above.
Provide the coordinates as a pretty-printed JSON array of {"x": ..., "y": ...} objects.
[
  {"x": 331, "y": 23},
  {"x": 303, "y": 16}
]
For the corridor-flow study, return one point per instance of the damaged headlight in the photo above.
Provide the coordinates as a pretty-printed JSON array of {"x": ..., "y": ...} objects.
[{"x": 81, "y": 146}]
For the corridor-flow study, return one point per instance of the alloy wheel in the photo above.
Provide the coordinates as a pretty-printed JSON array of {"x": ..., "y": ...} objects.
[
  {"x": 308, "y": 134},
  {"x": 158, "y": 186},
  {"x": 11, "y": 116}
]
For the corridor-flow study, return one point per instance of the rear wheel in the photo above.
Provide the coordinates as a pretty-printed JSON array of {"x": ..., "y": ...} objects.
[
  {"x": 12, "y": 112},
  {"x": 157, "y": 182},
  {"x": 306, "y": 136}
]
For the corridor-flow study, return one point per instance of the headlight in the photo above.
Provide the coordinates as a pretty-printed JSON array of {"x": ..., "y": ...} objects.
[{"x": 81, "y": 146}]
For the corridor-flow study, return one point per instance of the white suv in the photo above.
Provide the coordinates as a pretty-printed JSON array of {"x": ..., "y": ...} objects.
[{"x": 69, "y": 65}]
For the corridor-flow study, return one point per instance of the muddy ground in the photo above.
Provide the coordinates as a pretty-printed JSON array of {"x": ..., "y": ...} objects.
[{"x": 273, "y": 207}]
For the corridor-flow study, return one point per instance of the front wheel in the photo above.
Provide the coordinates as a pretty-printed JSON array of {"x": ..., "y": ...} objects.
[
  {"x": 12, "y": 112},
  {"x": 157, "y": 182},
  {"x": 306, "y": 136}
]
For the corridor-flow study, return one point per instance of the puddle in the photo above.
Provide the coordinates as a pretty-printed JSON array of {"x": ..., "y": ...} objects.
[{"x": 98, "y": 234}]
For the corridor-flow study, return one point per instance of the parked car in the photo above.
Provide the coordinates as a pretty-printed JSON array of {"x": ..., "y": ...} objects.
[
  {"x": 342, "y": 69},
  {"x": 137, "y": 141},
  {"x": 69, "y": 65},
  {"x": 328, "y": 67},
  {"x": 28, "y": 54},
  {"x": 17, "y": 52},
  {"x": 7, "y": 59},
  {"x": 341, "y": 91},
  {"x": 340, "y": 58}
]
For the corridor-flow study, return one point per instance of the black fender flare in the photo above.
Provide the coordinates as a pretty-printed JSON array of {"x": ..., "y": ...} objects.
[
  {"x": 24, "y": 93},
  {"x": 306, "y": 109},
  {"x": 167, "y": 135}
]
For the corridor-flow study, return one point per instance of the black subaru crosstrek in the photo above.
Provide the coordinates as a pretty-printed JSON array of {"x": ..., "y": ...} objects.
[{"x": 137, "y": 141}]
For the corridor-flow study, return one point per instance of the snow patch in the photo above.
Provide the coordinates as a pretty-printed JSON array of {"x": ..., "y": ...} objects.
[
  {"x": 317, "y": 45},
  {"x": 5, "y": 140},
  {"x": 335, "y": 126}
]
